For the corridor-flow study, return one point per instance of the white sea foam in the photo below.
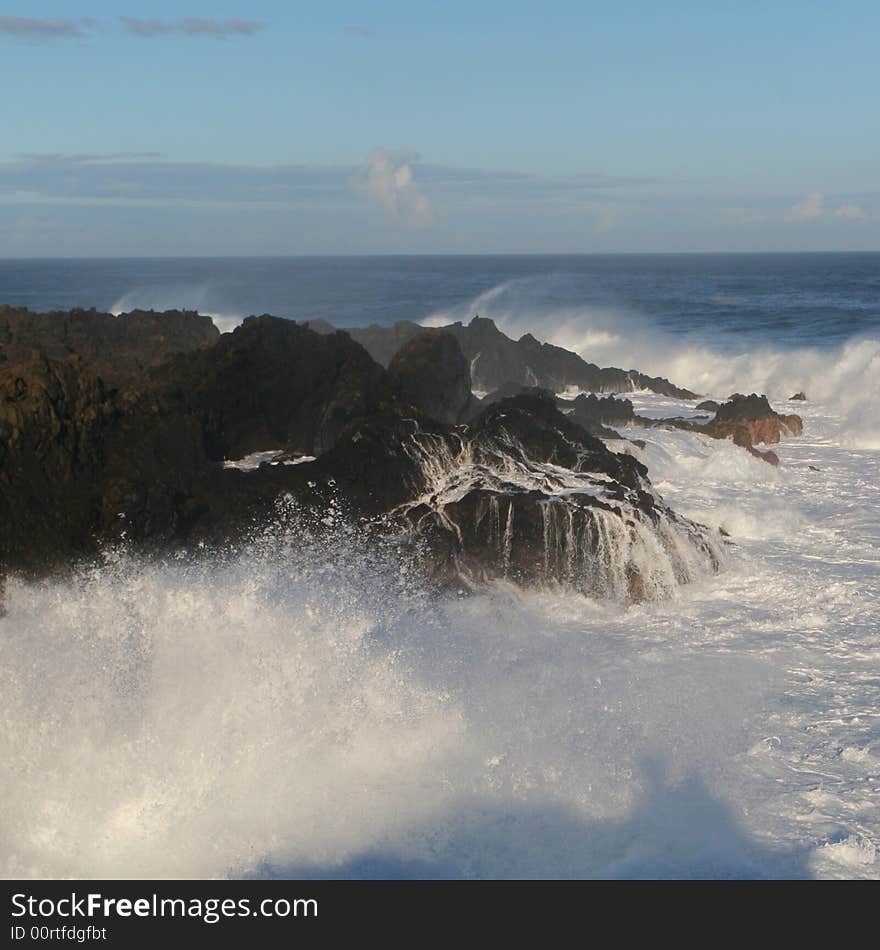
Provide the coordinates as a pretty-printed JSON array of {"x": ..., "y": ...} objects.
[
  {"x": 175, "y": 298},
  {"x": 845, "y": 378},
  {"x": 271, "y": 457},
  {"x": 309, "y": 708}
]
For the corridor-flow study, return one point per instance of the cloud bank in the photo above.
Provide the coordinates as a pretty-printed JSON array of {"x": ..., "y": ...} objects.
[
  {"x": 191, "y": 26},
  {"x": 813, "y": 207},
  {"x": 131, "y": 203},
  {"x": 40, "y": 28}
]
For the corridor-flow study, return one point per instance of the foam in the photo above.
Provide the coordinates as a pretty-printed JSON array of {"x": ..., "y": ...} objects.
[
  {"x": 309, "y": 707},
  {"x": 846, "y": 379},
  {"x": 184, "y": 297}
]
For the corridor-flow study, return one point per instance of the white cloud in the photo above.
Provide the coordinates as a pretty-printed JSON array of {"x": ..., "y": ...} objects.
[
  {"x": 808, "y": 209},
  {"x": 851, "y": 213},
  {"x": 386, "y": 178},
  {"x": 606, "y": 221}
]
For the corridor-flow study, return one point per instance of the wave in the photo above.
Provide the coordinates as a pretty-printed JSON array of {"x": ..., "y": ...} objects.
[
  {"x": 845, "y": 378},
  {"x": 309, "y": 707},
  {"x": 181, "y": 297},
  {"x": 305, "y": 708}
]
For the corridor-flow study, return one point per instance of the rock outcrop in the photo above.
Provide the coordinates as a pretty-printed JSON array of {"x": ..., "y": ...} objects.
[
  {"x": 522, "y": 491},
  {"x": 80, "y": 462},
  {"x": 273, "y": 383},
  {"x": 594, "y": 411},
  {"x": 526, "y": 494},
  {"x": 495, "y": 360},
  {"x": 750, "y": 420},
  {"x": 431, "y": 373},
  {"x": 117, "y": 348},
  {"x": 746, "y": 420},
  {"x": 54, "y": 415}
]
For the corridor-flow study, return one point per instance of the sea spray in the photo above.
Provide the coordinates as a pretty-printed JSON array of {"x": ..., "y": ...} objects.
[
  {"x": 305, "y": 705},
  {"x": 845, "y": 377}
]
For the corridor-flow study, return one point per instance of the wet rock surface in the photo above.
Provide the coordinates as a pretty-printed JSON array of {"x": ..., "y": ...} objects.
[
  {"x": 496, "y": 360},
  {"x": 521, "y": 491},
  {"x": 747, "y": 421}
]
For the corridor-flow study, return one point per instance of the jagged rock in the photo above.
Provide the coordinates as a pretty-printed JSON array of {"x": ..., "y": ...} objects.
[
  {"x": 521, "y": 492},
  {"x": 505, "y": 391},
  {"x": 750, "y": 420},
  {"x": 592, "y": 410},
  {"x": 746, "y": 420},
  {"x": 431, "y": 373},
  {"x": 529, "y": 495},
  {"x": 79, "y": 462},
  {"x": 800, "y": 397},
  {"x": 117, "y": 348},
  {"x": 496, "y": 360},
  {"x": 272, "y": 383}
]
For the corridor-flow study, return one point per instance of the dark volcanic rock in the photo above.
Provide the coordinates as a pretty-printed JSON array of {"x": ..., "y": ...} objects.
[
  {"x": 592, "y": 410},
  {"x": 495, "y": 360},
  {"x": 117, "y": 348},
  {"x": 529, "y": 495},
  {"x": 505, "y": 391},
  {"x": 80, "y": 463},
  {"x": 801, "y": 397},
  {"x": 432, "y": 374},
  {"x": 272, "y": 383},
  {"x": 521, "y": 492},
  {"x": 53, "y": 418},
  {"x": 708, "y": 405}
]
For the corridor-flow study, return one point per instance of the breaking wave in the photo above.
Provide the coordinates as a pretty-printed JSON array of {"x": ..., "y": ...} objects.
[
  {"x": 846, "y": 378},
  {"x": 309, "y": 707},
  {"x": 182, "y": 297},
  {"x": 319, "y": 713}
]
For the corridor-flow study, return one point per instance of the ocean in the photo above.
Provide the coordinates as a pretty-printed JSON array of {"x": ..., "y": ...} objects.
[{"x": 303, "y": 709}]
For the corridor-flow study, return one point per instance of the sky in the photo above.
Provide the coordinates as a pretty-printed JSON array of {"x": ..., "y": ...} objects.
[{"x": 233, "y": 128}]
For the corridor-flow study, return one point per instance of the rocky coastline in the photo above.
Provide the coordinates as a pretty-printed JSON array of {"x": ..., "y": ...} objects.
[{"x": 154, "y": 430}]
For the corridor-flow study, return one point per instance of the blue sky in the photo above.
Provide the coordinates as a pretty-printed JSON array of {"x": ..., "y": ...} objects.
[{"x": 280, "y": 128}]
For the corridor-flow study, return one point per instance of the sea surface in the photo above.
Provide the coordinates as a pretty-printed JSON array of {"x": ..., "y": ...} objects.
[{"x": 306, "y": 708}]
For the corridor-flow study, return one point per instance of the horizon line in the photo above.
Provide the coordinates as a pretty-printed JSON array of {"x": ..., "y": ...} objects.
[{"x": 436, "y": 254}]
